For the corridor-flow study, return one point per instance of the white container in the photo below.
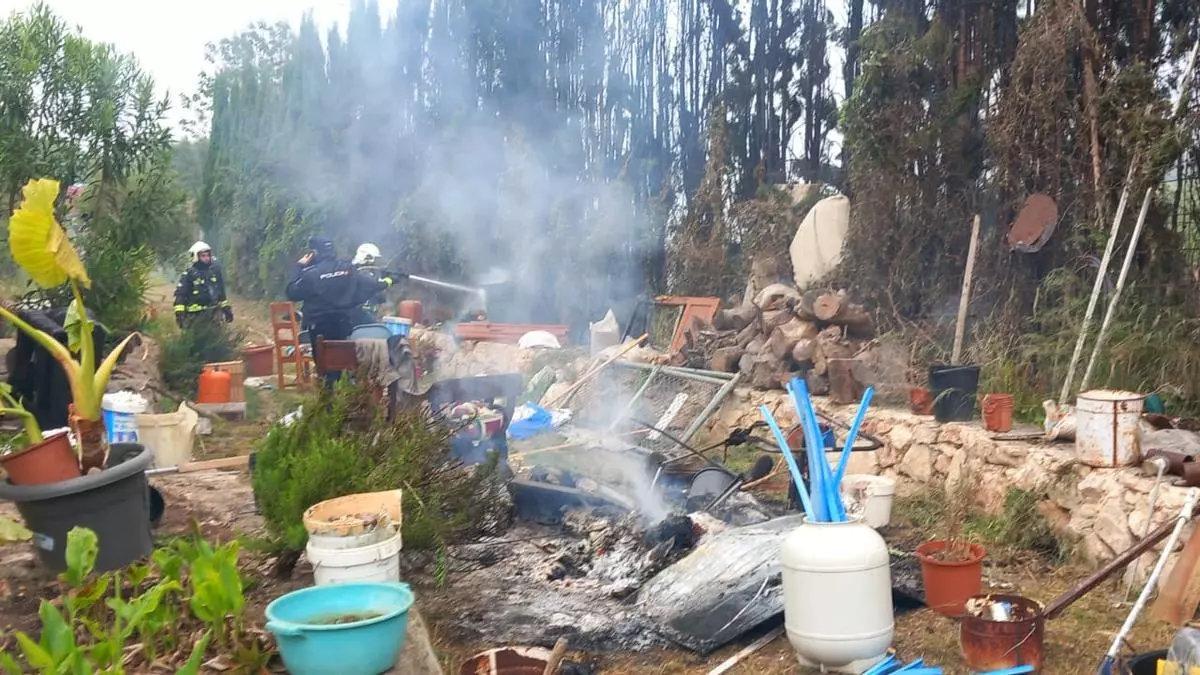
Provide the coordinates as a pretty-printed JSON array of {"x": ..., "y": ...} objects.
[
  {"x": 169, "y": 436},
  {"x": 837, "y": 595},
  {"x": 1106, "y": 427},
  {"x": 355, "y": 520},
  {"x": 118, "y": 410},
  {"x": 374, "y": 562},
  {"x": 869, "y": 497}
]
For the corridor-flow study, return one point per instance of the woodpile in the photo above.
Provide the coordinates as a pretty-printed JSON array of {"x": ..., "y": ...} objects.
[{"x": 781, "y": 334}]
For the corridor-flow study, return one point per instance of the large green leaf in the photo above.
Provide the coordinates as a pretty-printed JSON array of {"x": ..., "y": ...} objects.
[
  {"x": 192, "y": 666},
  {"x": 11, "y": 531},
  {"x": 57, "y": 637},
  {"x": 38, "y": 243},
  {"x": 82, "y": 547}
]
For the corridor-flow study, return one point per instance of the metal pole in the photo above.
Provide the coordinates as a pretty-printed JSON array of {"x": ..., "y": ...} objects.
[
  {"x": 636, "y": 396},
  {"x": 710, "y": 408},
  {"x": 1102, "y": 335}
]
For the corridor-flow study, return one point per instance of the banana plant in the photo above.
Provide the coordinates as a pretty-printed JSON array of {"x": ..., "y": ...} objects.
[
  {"x": 33, "y": 432},
  {"x": 41, "y": 248}
]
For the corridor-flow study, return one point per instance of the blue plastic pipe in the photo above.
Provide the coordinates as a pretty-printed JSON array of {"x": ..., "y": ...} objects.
[
  {"x": 829, "y": 490},
  {"x": 814, "y": 447},
  {"x": 1010, "y": 671},
  {"x": 883, "y": 667},
  {"x": 781, "y": 441},
  {"x": 853, "y": 436}
]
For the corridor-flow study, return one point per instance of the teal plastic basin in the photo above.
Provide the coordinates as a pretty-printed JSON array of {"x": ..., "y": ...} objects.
[{"x": 352, "y": 629}]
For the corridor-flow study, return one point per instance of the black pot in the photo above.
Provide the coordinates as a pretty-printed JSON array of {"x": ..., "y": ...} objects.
[
  {"x": 953, "y": 389},
  {"x": 114, "y": 503}
]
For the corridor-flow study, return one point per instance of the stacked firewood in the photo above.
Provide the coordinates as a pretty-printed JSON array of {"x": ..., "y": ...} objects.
[{"x": 780, "y": 334}]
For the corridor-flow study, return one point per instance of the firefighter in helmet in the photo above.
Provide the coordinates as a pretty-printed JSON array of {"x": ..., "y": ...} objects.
[{"x": 200, "y": 293}]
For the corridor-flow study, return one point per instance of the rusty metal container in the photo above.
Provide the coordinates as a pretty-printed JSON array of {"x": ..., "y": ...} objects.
[
  {"x": 1107, "y": 427},
  {"x": 988, "y": 644},
  {"x": 507, "y": 661}
]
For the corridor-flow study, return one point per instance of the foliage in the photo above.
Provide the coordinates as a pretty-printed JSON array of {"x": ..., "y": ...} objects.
[
  {"x": 11, "y": 406},
  {"x": 13, "y": 531},
  {"x": 39, "y": 242},
  {"x": 1020, "y": 525},
  {"x": 185, "y": 352},
  {"x": 341, "y": 446},
  {"x": 146, "y": 610}
]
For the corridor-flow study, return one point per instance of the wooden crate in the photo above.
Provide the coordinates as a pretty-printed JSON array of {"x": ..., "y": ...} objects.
[{"x": 237, "y": 378}]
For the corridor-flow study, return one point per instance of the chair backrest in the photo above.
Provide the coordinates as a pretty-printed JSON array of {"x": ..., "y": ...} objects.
[{"x": 334, "y": 355}]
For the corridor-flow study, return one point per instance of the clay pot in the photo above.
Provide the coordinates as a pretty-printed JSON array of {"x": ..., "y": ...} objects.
[
  {"x": 998, "y": 412},
  {"x": 950, "y": 583},
  {"x": 50, "y": 461},
  {"x": 920, "y": 401}
]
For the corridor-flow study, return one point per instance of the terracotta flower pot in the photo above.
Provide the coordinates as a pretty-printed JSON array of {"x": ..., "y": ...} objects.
[
  {"x": 50, "y": 461},
  {"x": 920, "y": 401},
  {"x": 998, "y": 412},
  {"x": 950, "y": 583}
]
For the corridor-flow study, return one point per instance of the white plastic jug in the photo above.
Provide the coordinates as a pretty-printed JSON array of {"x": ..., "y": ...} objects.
[{"x": 837, "y": 595}]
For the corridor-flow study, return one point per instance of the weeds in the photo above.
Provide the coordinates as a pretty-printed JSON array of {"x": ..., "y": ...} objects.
[
  {"x": 185, "y": 353},
  {"x": 143, "y": 610}
]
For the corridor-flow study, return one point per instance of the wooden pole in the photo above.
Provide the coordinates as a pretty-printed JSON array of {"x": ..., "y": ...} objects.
[
  {"x": 960, "y": 326},
  {"x": 594, "y": 371},
  {"x": 1100, "y": 276}
]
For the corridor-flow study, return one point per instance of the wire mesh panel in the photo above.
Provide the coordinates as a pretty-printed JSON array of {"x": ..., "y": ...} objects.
[{"x": 623, "y": 399}]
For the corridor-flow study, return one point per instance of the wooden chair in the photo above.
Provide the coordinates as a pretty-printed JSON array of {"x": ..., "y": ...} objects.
[
  {"x": 334, "y": 356},
  {"x": 288, "y": 350}
]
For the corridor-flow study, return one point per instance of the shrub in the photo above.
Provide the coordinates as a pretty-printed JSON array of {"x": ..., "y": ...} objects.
[
  {"x": 343, "y": 445},
  {"x": 184, "y": 354}
]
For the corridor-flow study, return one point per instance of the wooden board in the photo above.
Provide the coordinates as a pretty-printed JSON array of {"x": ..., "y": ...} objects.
[{"x": 1179, "y": 597}]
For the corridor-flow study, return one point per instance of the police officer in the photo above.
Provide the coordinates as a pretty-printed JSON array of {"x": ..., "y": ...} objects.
[
  {"x": 333, "y": 291},
  {"x": 200, "y": 293}
]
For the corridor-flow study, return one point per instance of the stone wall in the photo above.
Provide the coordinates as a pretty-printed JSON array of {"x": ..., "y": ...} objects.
[{"x": 1104, "y": 509}]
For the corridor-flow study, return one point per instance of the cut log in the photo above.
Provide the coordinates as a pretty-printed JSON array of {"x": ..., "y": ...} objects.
[
  {"x": 747, "y": 334},
  {"x": 803, "y": 308},
  {"x": 827, "y": 306},
  {"x": 785, "y": 337},
  {"x": 756, "y": 345},
  {"x": 765, "y": 370},
  {"x": 775, "y": 318},
  {"x": 803, "y": 352},
  {"x": 726, "y": 359},
  {"x": 818, "y": 385},
  {"x": 746, "y": 363},
  {"x": 844, "y": 385},
  {"x": 776, "y": 296},
  {"x": 735, "y": 318}
]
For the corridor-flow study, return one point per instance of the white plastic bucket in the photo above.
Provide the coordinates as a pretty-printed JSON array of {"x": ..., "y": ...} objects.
[
  {"x": 355, "y": 520},
  {"x": 374, "y": 562},
  {"x": 1106, "y": 427},
  {"x": 869, "y": 497},
  {"x": 169, "y": 436},
  {"x": 117, "y": 410}
]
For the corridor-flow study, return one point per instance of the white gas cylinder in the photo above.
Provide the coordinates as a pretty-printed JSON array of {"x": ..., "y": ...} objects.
[{"x": 837, "y": 595}]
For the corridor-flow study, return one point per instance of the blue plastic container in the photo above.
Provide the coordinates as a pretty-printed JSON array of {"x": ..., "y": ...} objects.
[
  {"x": 398, "y": 325},
  {"x": 312, "y": 642}
]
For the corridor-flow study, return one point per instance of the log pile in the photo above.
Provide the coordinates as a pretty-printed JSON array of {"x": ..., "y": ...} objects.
[{"x": 780, "y": 334}]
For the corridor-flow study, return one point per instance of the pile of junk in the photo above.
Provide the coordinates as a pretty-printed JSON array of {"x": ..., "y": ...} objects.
[{"x": 628, "y": 536}]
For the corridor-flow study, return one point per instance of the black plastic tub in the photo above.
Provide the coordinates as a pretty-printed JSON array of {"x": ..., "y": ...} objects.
[
  {"x": 114, "y": 503},
  {"x": 954, "y": 389}
]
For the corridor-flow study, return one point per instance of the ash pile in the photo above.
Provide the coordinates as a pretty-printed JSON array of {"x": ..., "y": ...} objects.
[
  {"x": 588, "y": 541},
  {"x": 779, "y": 332}
]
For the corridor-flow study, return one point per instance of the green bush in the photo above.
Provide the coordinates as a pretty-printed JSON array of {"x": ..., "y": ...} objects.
[
  {"x": 185, "y": 353},
  {"x": 1020, "y": 525},
  {"x": 342, "y": 445}
]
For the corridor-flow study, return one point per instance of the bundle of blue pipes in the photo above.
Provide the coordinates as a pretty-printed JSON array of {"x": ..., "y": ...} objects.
[{"x": 823, "y": 504}]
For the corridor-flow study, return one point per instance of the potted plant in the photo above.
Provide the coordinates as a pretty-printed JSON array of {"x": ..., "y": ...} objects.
[
  {"x": 952, "y": 566},
  {"x": 40, "y": 246},
  {"x": 43, "y": 460},
  {"x": 113, "y": 500}
]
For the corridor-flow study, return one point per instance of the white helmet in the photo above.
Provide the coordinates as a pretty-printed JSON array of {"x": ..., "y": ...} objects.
[
  {"x": 198, "y": 248},
  {"x": 367, "y": 254}
]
